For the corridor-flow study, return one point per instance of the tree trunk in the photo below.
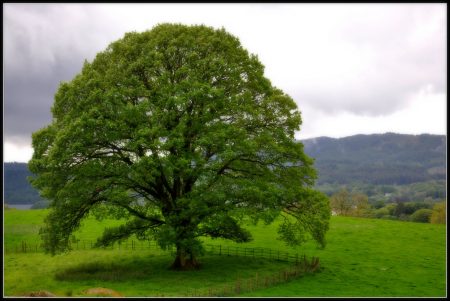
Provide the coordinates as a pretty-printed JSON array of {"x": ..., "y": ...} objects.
[{"x": 185, "y": 261}]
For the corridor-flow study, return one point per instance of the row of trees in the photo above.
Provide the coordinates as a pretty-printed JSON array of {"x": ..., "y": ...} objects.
[
  {"x": 432, "y": 191},
  {"x": 357, "y": 204}
]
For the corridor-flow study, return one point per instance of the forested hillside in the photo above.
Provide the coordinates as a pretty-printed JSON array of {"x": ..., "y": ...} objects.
[
  {"x": 17, "y": 189},
  {"x": 372, "y": 161},
  {"x": 379, "y": 159}
]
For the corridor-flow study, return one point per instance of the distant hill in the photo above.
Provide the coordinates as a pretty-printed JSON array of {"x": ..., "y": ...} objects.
[
  {"x": 387, "y": 159},
  {"x": 17, "y": 189},
  {"x": 382, "y": 159}
]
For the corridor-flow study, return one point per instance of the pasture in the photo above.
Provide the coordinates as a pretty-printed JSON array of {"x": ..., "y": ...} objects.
[{"x": 363, "y": 258}]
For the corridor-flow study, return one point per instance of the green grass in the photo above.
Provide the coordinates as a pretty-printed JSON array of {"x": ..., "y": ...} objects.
[
  {"x": 133, "y": 274},
  {"x": 363, "y": 257}
]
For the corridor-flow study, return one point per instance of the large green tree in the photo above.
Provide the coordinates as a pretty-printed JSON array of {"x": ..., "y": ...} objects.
[{"x": 177, "y": 131}]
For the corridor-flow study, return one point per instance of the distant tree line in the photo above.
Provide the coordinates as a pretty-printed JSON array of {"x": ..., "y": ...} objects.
[
  {"x": 430, "y": 191},
  {"x": 356, "y": 204}
]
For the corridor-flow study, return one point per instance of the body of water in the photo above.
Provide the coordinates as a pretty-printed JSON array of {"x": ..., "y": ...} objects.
[{"x": 20, "y": 206}]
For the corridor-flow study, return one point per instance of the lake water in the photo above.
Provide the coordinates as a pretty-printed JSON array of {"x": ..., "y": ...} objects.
[{"x": 20, "y": 206}]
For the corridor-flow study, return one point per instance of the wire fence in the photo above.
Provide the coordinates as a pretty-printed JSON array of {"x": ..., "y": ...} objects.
[
  {"x": 265, "y": 253},
  {"x": 244, "y": 285},
  {"x": 133, "y": 245},
  {"x": 35, "y": 247}
]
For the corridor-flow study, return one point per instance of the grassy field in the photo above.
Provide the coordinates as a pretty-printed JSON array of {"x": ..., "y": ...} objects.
[{"x": 363, "y": 258}]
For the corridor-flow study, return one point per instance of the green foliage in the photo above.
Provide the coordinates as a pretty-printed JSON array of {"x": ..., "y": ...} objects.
[
  {"x": 380, "y": 212},
  {"x": 402, "y": 211},
  {"x": 439, "y": 214},
  {"x": 351, "y": 204},
  {"x": 422, "y": 216},
  {"x": 296, "y": 231},
  {"x": 361, "y": 206},
  {"x": 378, "y": 204},
  {"x": 409, "y": 208},
  {"x": 177, "y": 130}
]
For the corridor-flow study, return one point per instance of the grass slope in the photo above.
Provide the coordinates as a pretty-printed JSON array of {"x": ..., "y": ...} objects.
[{"x": 364, "y": 257}]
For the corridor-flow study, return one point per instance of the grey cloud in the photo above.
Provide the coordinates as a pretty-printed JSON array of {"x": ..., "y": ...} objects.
[
  {"x": 42, "y": 48},
  {"x": 407, "y": 46},
  {"x": 366, "y": 59},
  {"x": 402, "y": 48}
]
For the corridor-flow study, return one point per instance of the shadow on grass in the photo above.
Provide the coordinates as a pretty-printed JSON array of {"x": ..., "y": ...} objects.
[
  {"x": 105, "y": 271},
  {"x": 215, "y": 269}
]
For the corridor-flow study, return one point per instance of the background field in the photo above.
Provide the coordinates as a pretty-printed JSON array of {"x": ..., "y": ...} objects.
[{"x": 364, "y": 257}]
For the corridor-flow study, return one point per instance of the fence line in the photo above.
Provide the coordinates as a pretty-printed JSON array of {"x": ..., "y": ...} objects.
[
  {"x": 33, "y": 247},
  {"x": 257, "y": 282},
  {"x": 255, "y": 252}
]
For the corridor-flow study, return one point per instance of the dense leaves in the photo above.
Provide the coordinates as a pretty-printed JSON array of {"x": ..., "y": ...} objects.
[{"x": 177, "y": 130}]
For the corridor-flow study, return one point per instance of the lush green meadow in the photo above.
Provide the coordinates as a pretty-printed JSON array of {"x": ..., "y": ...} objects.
[{"x": 363, "y": 257}]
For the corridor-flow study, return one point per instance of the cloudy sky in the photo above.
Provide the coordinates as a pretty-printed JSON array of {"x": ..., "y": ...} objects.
[{"x": 351, "y": 68}]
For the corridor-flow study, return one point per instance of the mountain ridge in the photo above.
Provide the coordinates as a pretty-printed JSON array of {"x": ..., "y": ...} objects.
[
  {"x": 388, "y": 158},
  {"x": 379, "y": 159}
]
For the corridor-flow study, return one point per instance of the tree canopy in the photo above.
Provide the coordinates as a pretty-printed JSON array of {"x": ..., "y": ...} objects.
[{"x": 177, "y": 131}]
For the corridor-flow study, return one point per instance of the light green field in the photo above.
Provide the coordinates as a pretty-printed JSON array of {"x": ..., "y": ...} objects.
[{"x": 363, "y": 258}]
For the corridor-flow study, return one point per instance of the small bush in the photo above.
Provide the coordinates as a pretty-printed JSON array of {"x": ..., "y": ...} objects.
[
  {"x": 390, "y": 217},
  {"x": 438, "y": 215},
  {"x": 379, "y": 213},
  {"x": 391, "y": 208},
  {"x": 421, "y": 216}
]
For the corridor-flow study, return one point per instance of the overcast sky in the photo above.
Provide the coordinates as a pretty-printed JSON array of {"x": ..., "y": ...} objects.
[{"x": 351, "y": 68}]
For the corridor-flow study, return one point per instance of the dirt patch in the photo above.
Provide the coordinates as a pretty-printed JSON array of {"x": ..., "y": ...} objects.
[
  {"x": 40, "y": 294},
  {"x": 102, "y": 292}
]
